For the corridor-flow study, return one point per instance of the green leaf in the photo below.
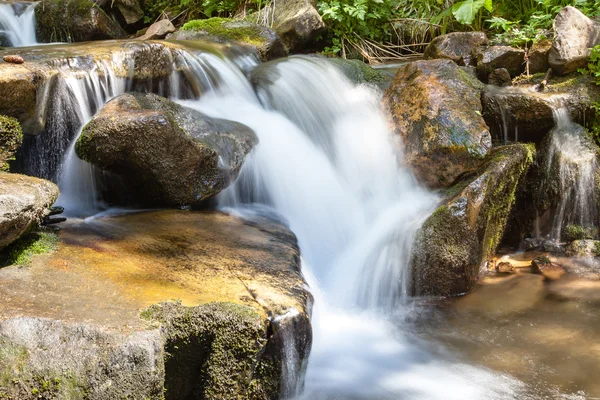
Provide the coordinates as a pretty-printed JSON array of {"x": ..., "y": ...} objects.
[{"x": 465, "y": 11}]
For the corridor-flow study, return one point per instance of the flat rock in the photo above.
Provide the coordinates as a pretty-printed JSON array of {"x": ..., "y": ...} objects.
[
  {"x": 99, "y": 315},
  {"x": 545, "y": 267},
  {"x": 159, "y": 30},
  {"x": 494, "y": 57}
]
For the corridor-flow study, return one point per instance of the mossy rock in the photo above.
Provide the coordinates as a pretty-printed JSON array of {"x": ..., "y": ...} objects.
[
  {"x": 167, "y": 154},
  {"x": 11, "y": 137},
  {"x": 263, "y": 40},
  {"x": 464, "y": 232},
  {"x": 74, "y": 21},
  {"x": 360, "y": 73}
]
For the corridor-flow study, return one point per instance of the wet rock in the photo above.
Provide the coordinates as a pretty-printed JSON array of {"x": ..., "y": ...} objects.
[
  {"x": 495, "y": 57},
  {"x": 500, "y": 77},
  {"x": 265, "y": 41},
  {"x": 464, "y": 232},
  {"x": 158, "y": 30},
  {"x": 435, "y": 107},
  {"x": 11, "y": 138},
  {"x": 24, "y": 202},
  {"x": 168, "y": 155},
  {"x": 538, "y": 56},
  {"x": 13, "y": 59},
  {"x": 533, "y": 244},
  {"x": 545, "y": 267},
  {"x": 575, "y": 35},
  {"x": 297, "y": 22},
  {"x": 74, "y": 21},
  {"x": 520, "y": 113},
  {"x": 583, "y": 248},
  {"x": 505, "y": 267},
  {"x": 553, "y": 246},
  {"x": 94, "y": 319},
  {"x": 360, "y": 73},
  {"x": 459, "y": 47},
  {"x": 23, "y": 87},
  {"x": 513, "y": 295}
]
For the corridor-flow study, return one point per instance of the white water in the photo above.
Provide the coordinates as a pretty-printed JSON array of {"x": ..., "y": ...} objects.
[
  {"x": 327, "y": 164},
  {"x": 17, "y": 23},
  {"x": 574, "y": 160}
]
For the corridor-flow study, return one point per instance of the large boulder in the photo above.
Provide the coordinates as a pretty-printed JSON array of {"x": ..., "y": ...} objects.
[
  {"x": 11, "y": 137},
  {"x": 74, "y": 21},
  {"x": 265, "y": 41},
  {"x": 436, "y": 109},
  {"x": 129, "y": 12},
  {"x": 95, "y": 318},
  {"x": 297, "y": 22},
  {"x": 494, "y": 57},
  {"x": 464, "y": 232},
  {"x": 24, "y": 202},
  {"x": 459, "y": 47},
  {"x": 575, "y": 34},
  {"x": 168, "y": 155}
]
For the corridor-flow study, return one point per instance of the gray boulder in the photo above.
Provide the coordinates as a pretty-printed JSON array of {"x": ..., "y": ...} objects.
[
  {"x": 538, "y": 56},
  {"x": 575, "y": 35},
  {"x": 169, "y": 155},
  {"x": 495, "y": 57},
  {"x": 297, "y": 22},
  {"x": 24, "y": 202},
  {"x": 459, "y": 47},
  {"x": 158, "y": 30},
  {"x": 435, "y": 107}
]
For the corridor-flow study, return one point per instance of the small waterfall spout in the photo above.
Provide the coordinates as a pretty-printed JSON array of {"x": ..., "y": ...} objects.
[
  {"x": 570, "y": 167},
  {"x": 17, "y": 24}
]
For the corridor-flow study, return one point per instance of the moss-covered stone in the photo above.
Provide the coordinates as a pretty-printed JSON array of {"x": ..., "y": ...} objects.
[
  {"x": 22, "y": 251},
  {"x": 435, "y": 107},
  {"x": 360, "y": 73},
  {"x": 464, "y": 232},
  {"x": 263, "y": 40},
  {"x": 74, "y": 21},
  {"x": 168, "y": 154},
  {"x": 11, "y": 138}
]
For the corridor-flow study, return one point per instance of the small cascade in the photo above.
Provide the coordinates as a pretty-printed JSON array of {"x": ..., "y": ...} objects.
[
  {"x": 17, "y": 24},
  {"x": 570, "y": 165}
]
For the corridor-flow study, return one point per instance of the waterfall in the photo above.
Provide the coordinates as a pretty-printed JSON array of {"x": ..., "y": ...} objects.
[
  {"x": 570, "y": 167},
  {"x": 17, "y": 24},
  {"x": 327, "y": 163}
]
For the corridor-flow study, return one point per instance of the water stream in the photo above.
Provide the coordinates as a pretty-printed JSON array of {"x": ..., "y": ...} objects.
[
  {"x": 570, "y": 165},
  {"x": 17, "y": 24},
  {"x": 328, "y": 165}
]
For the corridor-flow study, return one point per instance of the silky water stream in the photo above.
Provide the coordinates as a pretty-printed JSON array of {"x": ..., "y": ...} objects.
[{"x": 328, "y": 166}]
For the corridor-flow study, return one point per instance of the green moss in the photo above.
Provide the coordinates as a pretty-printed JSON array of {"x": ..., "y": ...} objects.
[
  {"x": 212, "y": 349},
  {"x": 227, "y": 29},
  {"x": 578, "y": 232},
  {"x": 11, "y": 137},
  {"x": 22, "y": 251},
  {"x": 516, "y": 159}
]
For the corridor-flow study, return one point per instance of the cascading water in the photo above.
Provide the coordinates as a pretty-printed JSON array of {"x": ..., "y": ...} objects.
[
  {"x": 326, "y": 163},
  {"x": 17, "y": 24},
  {"x": 570, "y": 167}
]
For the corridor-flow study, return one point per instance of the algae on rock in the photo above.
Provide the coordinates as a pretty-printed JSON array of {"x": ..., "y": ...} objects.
[
  {"x": 11, "y": 137},
  {"x": 464, "y": 232}
]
